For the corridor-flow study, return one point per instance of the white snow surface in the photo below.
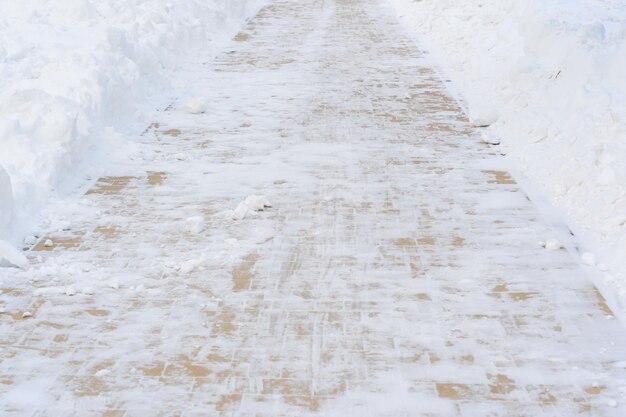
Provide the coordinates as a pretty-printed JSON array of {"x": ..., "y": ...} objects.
[
  {"x": 548, "y": 79},
  {"x": 10, "y": 256},
  {"x": 76, "y": 78},
  {"x": 6, "y": 200}
]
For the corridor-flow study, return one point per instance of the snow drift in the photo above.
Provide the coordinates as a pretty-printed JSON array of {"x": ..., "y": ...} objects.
[
  {"x": 550, "y": 77},
  {"x": 75, "y": 73}
]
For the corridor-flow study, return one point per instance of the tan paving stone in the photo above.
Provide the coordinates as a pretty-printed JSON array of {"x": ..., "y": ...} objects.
[{"x": 381, "y": 282}]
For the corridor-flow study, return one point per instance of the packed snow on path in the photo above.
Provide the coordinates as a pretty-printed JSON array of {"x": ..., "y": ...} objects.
[
  {"x": 548, "y": 79},
  {"x": 77, "y": 77}
]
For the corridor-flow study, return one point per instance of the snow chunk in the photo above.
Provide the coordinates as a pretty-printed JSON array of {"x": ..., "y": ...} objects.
[
  {"x": 70, "y": 291},
  {"x": 48, "y": 243},
  {"x": 257, "y": 202},
  {"x": 241, "y": 211},
  {"x": 252, "y": 202},
  {"x": 489, "y": 139},
  {"x": 482, "y": 117},
  {"x": 551, "y": 244},
  {"x": 194, "y": 225},
  {"x": 11, "y": 256},
  {"x": 589, "y": 258},
  {"x": 196, "y": 105}
]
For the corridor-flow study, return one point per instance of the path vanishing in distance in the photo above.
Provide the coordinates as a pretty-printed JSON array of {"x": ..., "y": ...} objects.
[{"x": 397, "y": 273}]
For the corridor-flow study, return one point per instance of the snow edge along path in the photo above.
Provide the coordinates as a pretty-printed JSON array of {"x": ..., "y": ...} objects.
[
  {"x": 546, "y": 79},
  {"x": 78, "y": 79}
]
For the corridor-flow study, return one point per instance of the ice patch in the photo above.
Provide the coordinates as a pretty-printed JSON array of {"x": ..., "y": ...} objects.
[{"x": 9, "y": 256}]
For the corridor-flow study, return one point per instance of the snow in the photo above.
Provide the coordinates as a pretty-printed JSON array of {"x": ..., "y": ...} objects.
[
  {"x": 547, "y": 77},
  {"x": 487, "y": 138},
  {"x": 241, "y": 211},
  {"x": 251, "y": 203},
  {"x": 589, "y": 259},
  {"x": 9, "y": 256},
  {"x": 6, "y": 200},
  {"x": 194, "y": 225},
  {"x": 401, "y": 261},
  {"x": 77, "y": 81},
  {"x": 196, "y": 105},
  {"x": 552, "y": 244},
  {"x": 257, "y": 202}
]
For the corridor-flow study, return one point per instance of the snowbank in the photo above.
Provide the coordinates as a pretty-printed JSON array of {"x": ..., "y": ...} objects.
[
  {"x": 75, "y": 73},
  {"x": 6, "y": 200},
  {"x": 551, "y": 76}
]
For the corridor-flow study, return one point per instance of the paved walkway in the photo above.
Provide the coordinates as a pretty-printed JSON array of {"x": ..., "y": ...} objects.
[{"x": 397, "y": 273}]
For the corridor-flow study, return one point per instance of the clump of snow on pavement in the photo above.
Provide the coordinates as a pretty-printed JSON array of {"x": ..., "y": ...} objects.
[
  {"x": 547, "y": 78},
  {"x": 257, "y": 202},
  {"x": 194, "y": 225},
  {"x": 75, "y": 77},
  {"x": 252, "y": 202},
  {"x": 551, "y": 244},
  {"x": 196, "y": 105}
]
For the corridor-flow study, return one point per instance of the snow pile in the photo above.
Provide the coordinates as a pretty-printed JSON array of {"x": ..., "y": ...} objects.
[
  {"x": 548, "y": 79},
  {"x": 75, "y": 74}
]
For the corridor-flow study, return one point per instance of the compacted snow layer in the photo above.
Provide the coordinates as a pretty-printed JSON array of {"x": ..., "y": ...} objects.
[
  {"x": 548, "y": 77},
  {"x": 74, "y": 75}
]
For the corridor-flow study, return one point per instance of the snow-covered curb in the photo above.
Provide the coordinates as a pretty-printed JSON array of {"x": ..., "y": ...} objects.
[
  {"x": 75, "y": 75},
  {"x": 549, "y": 75}
]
